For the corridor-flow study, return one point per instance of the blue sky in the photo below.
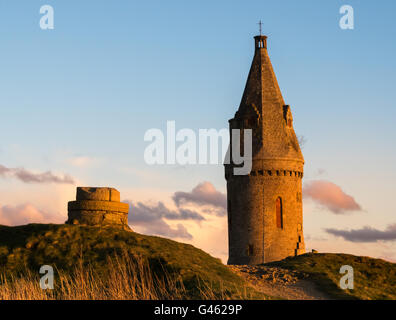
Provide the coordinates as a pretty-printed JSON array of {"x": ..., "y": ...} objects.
[{"x": 110, "y": 70}]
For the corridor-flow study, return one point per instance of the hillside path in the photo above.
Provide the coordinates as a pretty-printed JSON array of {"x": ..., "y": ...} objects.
[{"x": 280, "y": 283}]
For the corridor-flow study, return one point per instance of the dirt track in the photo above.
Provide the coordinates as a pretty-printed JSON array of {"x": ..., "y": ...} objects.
[{"x": 280, "y": 283}]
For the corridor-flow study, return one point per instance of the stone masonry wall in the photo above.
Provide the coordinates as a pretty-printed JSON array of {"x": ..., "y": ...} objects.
[
  {"x": 253, "y": 234},
  {"x": 98, "y": 207}
]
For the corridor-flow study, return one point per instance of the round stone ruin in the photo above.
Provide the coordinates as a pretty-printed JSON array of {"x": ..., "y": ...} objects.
[{"x": 98, "y": 207}]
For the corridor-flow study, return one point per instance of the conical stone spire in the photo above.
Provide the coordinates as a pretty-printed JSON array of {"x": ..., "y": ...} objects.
[
  {"x": 263, "y": 110},
  {"x": 261, "y": 86}
]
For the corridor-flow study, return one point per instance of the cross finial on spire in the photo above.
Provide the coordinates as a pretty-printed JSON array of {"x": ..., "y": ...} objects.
[{"x": 260, "y": 26}]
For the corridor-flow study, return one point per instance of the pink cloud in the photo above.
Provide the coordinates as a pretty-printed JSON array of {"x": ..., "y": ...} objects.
[
  {"x": 330, "y": 196},
  {"x": 154, "y": 218},
  {"x": 26, "y": 213},
  {"x": 30, "y": 177},
  {"x": 203, "y": 194},
  {"x": 366, "y": 234}
]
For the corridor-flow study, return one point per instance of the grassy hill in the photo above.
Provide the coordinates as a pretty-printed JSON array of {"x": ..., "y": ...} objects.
[
  {"x": 170, "y": 268},
  {"x": 105, "y": 263},
  {"x": 373, "y": 278}
]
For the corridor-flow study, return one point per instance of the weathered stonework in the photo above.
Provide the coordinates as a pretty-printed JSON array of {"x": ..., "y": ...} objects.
[
  {"x": 265, "y": 207},
  {"x": 98, "y": 207}
]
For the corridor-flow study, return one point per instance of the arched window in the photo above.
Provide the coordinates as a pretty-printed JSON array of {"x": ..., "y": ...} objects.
[{"x": 279, "y": 213}]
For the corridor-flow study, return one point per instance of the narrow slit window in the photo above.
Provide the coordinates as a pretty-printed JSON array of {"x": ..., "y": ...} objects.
[{"x": 279, "y": 213}]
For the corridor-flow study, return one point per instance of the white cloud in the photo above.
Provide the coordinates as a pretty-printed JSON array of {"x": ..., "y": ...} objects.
[{"x": 83, "y": 161}]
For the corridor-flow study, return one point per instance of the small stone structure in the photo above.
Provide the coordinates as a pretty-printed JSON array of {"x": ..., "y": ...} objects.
[{"x": 98, "y": 207}]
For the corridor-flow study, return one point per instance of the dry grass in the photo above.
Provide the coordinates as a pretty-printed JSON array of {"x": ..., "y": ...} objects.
[{"x": 127, "y": 278}]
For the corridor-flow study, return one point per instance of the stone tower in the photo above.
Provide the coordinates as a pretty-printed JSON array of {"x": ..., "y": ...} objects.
[
  {"x": 265, "y": 216},
  {"x": 98, "y": 207}
]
